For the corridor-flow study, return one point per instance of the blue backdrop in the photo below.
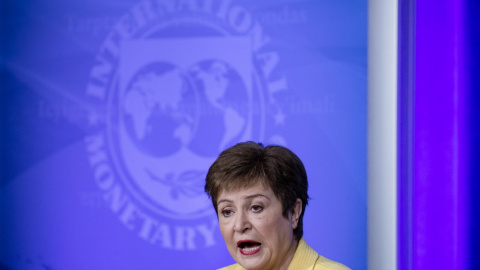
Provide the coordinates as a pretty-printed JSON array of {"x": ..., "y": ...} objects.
[{"x": 112, "y": 112}]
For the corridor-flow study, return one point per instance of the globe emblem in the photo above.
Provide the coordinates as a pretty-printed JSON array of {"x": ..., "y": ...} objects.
[
  {"x": 160, "y": 109},
  {"x": 173, "y": 124},
  {"x": 224, "y": 106}
]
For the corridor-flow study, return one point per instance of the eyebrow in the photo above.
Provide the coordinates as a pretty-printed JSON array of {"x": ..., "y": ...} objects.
[{"x": 246, "y": 197}]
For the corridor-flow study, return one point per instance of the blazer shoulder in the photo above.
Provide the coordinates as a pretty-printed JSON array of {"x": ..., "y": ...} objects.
[
  {"x": 324, "y": 264},
  {"x": 232, "y": 267}
]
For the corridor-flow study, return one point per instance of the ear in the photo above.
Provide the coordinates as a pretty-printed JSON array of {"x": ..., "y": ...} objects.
[{"x": 295, "y": 213}]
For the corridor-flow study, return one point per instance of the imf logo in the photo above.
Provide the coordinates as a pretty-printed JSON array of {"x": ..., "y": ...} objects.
[{"x": 174, "y": 84}]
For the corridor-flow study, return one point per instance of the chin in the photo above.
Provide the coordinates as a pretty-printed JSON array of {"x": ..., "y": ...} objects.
[{"x": 252, "y": 264}]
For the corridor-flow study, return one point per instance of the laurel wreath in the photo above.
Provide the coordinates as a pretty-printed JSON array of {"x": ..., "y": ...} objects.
[{"x": 189, "y": 183}]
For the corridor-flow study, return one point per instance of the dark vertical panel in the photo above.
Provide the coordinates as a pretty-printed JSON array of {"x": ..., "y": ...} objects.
[
  {"x": 473, "y": 67},
  {"x": 406, "y": 84},
  {"x": 439, "y": 197}
]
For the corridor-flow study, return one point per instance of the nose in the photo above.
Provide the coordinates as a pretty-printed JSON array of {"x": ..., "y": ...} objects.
[{"x": 242, "y": 222}]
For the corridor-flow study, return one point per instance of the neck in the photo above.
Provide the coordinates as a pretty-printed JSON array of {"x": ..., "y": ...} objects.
[{"x": 289, "y": 256}]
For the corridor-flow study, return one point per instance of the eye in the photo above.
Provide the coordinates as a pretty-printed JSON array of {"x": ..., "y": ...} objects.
[
  {"x": 257, "y": 208},
  {"x": 227, "y": 212}
]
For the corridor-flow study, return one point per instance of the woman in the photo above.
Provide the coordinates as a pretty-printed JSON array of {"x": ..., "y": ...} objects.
[{"x": 260, "y": 194}]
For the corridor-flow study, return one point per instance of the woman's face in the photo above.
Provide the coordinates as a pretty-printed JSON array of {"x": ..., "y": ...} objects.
[{"x": 257, "y": 235}]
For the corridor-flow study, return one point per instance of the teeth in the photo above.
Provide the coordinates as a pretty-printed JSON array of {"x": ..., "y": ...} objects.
[{"x": 248, "y": 249}]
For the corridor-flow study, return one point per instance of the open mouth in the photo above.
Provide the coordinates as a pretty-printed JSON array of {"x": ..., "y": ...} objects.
[{"x": 248, "y": 247}]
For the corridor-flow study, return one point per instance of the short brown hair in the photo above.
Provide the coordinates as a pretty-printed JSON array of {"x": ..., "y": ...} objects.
[{"x": 248, "y": 163}]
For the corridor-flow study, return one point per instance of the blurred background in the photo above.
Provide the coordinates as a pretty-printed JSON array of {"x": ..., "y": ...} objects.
[{"x": 112, "y": 112}]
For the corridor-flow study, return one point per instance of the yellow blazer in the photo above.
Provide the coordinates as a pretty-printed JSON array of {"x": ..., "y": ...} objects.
[{"x": 305, "y": 258}]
